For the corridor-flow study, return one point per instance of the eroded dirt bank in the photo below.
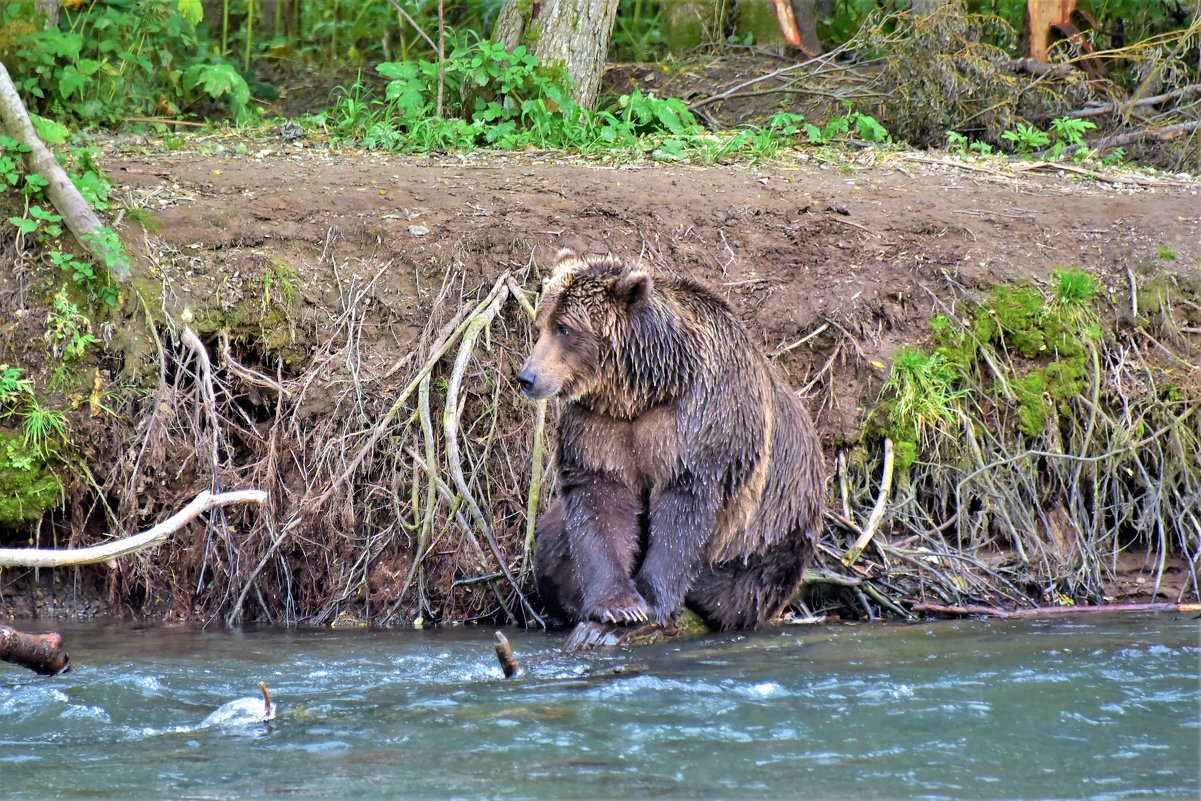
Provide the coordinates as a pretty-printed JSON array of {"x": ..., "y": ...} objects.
[{"x": 321, "y": 283}]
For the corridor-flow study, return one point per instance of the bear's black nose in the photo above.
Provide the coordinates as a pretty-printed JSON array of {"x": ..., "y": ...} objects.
[{"x": 527, "y": 379}]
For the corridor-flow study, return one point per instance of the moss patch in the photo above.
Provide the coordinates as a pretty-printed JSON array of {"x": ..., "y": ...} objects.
[
  {"x": 28, "y": 487},
  {"x": 1019, "y": 348}
]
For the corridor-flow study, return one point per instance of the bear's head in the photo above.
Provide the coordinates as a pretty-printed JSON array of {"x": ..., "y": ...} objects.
[{"x": 584, "y": 316}]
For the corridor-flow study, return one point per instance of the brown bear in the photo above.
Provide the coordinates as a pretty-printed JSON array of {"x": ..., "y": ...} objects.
[{"x": 689, "y": 473}]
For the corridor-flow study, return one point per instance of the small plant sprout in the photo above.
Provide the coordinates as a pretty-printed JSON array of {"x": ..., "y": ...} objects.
[
  {"x": 68, "y": 329},
  {"x": 13, "y": 386},
  {"x": 1026, "y": 138},
  {"x": 1072, "y": 294},
  {"x": 45, "y": 429}
]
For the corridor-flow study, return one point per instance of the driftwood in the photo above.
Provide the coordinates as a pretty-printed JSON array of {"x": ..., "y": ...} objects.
[
  {"x": 72, "y": 557},
  {"x": 77, "y": 214},
  {"x": 41, "y": 653},
  {"x": 1047, "y": 611}
]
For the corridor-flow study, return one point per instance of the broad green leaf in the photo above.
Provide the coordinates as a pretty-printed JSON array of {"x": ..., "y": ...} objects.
[
  {"x": 51, "y": 132},
  {"x": 191, "y": 10}
]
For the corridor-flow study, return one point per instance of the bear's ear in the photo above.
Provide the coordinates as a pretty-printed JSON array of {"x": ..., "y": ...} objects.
[
  {"x": 633, "y": 287},
  {"x": 565, "y": 260}
]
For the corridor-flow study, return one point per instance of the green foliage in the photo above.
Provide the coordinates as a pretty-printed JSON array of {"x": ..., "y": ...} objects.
[
  {"x": 39, "y": 225},
  {"x": 922, "y": 388},
  {"x": 109, "y": 61},
  {"x": 1073, "y": 292},
  {"x": 69, "y": 330},
  {"x": 45, "y": 429},
  {"x": 1026, "y": 138},
  {"x": 865, "y": 127},
  {"x": 494, "y": 98},
  {"x": 638, "y": 32},
  {"x": 220, "y": 82},
  {"x": 1166, "y": 253},
  {"x": 497, "y": 99},
  {"x": 28, "y": 487},
  {"x": 1018, "y": 349},
  {"x": 14, "y": 386},
  {"x": 1069, "y": 131},
  {"x": 27, "y": 484}
]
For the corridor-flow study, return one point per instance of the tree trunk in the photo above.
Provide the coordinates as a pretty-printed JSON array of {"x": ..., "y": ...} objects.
[
  {"x": 1041, "y": 17},
  {"x": 573, "y": 34},
  {"x": 41, "y": 653},
  {"x": 50, "y": 9},
  {"x": 77, "y": 214}
]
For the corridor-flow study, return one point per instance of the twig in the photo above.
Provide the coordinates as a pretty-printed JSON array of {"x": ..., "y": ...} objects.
[
  {"x": 1109, "y": 178},
  {"x": 420, "y": 31},
  {"x": 825, "y": 57},
  {"x": 802, "y": 340},
  {"x": 1124, "y": 108},
  {"x": 167, "y": 121},
  {"x": 73, "y": 557},
  {"x": 1165, "y": 134}
]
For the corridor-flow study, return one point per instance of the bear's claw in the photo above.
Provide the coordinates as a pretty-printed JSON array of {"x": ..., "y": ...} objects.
[{"x": 626, "y": 608}]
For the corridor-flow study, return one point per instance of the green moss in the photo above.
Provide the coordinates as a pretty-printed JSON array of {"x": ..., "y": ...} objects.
[
  {"x": 1045, "y": 341},
  {"x": 904, "y": 454},
  {"x": 1012, "y": 317},
  {"x": 1032, "y": 410},
  {"x": 1063, "y": 379},
  {"x": 28, "y": 487},
  {"x": 959, "y": 348}
]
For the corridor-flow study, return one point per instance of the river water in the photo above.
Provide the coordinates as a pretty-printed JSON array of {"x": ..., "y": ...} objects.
[{"x": 1091, "y": 707}]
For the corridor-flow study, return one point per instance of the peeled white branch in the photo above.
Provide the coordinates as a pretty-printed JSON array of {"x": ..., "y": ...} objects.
[{"x": 73, "y": 557}]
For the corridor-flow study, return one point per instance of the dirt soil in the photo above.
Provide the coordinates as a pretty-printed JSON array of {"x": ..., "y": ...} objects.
[
  {"x": 834, "y": 262},
  {"x": 872, "y": 246}
]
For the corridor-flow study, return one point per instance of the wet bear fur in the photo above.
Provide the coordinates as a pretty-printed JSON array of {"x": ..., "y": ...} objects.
[{"x": 688, "y": 471}]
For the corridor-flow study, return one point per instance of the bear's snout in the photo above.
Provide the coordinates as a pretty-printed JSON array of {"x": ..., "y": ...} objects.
[{"x": 527, "y": 379}]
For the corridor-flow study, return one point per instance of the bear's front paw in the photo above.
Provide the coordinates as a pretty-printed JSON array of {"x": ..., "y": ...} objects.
[{"x": 624, "y": 607}]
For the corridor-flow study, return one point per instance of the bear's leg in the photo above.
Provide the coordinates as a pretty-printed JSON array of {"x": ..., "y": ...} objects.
[
  {"x": 603, "y": 521},
  {"x": 681, "y": 522},
  {"x": 554, "y": 571},
  {"x": 744, "y": 594}
]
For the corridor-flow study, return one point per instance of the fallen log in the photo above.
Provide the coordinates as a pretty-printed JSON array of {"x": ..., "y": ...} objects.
[
  {"x": 41, "y": 653},
  {"x": 1047, "y": 611}
]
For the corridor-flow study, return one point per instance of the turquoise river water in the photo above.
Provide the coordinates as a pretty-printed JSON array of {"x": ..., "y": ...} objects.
[{"x": 1089, "y": 707}]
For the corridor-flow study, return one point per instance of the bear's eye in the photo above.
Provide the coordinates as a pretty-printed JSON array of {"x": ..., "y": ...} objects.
[{"x": 562, "y": 330}]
